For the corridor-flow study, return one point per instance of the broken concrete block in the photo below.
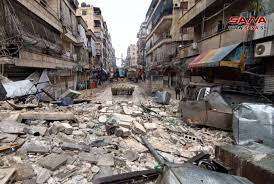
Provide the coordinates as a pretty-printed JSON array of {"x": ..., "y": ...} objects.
[
  {"x": 53, "y": 161},
  {"x": 12, "y": 127},
  {"x": 66, "y": 128},
  {"x": 42, "y": 176},
  {"x": 103, "y": 119},
  {"x": 36, "y": 148},
  {"x": 106, "y": 160},
  {"x": 39, "y": 129},
  {"x": 123, "y": 124},
  {"x": 24, "y": 171},
  {"x": 127, "y": 110},
  {"x": 82, "y": 126},
  {"x": 131, "y": 155},
  {"x": 74, "y": 146},
  {"x": 90, "y": 125},
  {"x": 78, "y": 133},
  {"x": 150, "y": 126},
  {"x": 49, "y": 116},
  {"x": 8, "y": 138},
  {"x": 7, "y": 175},
  {"x": 122, "y": 132},
  {"x": 95, "y": 169},
  {"x": 122, "y": 117},
  {"x": 138, "y": 128},
  {"x": 88, "y": 157},
  {"x": 104, "y": 172}
]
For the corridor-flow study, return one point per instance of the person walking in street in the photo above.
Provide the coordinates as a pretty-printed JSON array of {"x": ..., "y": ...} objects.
[{"x": 178, "y": 91}]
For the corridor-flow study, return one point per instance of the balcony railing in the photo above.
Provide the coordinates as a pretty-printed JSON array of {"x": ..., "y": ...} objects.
[{"x": 163, "y": 9}]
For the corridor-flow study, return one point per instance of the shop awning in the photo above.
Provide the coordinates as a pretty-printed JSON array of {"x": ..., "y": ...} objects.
[{"x": 213, "y": 58}]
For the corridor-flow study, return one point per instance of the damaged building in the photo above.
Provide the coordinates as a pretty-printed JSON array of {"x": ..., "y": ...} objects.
[{"x": 42, "y": 35}]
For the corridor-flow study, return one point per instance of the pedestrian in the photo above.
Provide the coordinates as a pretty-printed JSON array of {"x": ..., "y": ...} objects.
[{"x": 178, "y": 91}]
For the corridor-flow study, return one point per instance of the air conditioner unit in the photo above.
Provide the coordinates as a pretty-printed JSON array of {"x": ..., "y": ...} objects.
[
  {"x": 194, "y": 45},
  {"x": 44, "y": 2},
  {"x": 264, "y": 49}
]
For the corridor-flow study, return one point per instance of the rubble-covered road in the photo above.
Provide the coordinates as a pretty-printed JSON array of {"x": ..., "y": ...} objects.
[{"x": 82, "y": 142}]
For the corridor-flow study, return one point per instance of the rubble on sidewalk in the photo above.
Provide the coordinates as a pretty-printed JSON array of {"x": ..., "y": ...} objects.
[{"x": 86, "y": 141}]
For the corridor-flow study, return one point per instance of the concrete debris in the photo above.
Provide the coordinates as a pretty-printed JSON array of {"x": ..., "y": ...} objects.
[
  {"x": 122, "y": 132},
  {"x": 138, "y": 128},
  {"x": 106, "y": 160},
  {"x": 103, "y": 119},
  {"x": 42, "y": 175},
  {"x": 74, "y": 146},
  {"x": 150, "y": 126},
  {"x": 53, "y": 161},
  {"x": 79, "y": 143},
  {"x": 7, "y": 175}
]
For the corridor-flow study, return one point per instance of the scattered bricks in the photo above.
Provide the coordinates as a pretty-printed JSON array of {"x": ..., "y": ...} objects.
[
  {"x": 53, "y": 161},
  {"x": 150, "y": 126},
  {"x": 122, "y": 132},
  {"x": 138, "y": 128},
  {"x": 74, "y": 146},
  {"x": 88, "y": 157}
]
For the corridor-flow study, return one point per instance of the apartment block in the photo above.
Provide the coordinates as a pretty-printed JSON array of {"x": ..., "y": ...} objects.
[
  {"x": 132, "y": 56},
  {"x": 39, "y": 35},
  {"x": 141, "y": 44},
  {"x": 105, "y": 53}
]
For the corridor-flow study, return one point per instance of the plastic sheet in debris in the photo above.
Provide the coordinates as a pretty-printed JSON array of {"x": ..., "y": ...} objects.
[
  {"x": 190, "y": 174},
  {"x": 162, "y": 97},
  {"x": 19, "y": 88},
  {"x": 254, "y": 122}
]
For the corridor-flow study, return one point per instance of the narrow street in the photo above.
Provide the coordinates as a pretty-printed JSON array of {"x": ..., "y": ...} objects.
[{"x": 81, "y": 150}]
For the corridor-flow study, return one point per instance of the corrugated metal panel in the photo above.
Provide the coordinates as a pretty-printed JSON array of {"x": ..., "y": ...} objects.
[{"x": 213, "y": 57}]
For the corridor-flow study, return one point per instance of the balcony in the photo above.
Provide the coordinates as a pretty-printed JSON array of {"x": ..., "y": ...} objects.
[
  {"x": 214, "y": 41},
  {"x": 163, "y": 25},
  {"x": 159, "y": 43},
  {"x": 196, "y": 10},
  {"x": 48, "y": 15},
  {"x": 163, "y": 9}
]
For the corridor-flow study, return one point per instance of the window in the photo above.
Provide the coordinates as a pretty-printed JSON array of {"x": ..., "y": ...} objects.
[{"x": 84, "y": 12}]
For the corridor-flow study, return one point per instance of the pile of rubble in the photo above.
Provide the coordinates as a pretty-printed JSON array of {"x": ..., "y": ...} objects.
[{"x": 82, "y": 142}]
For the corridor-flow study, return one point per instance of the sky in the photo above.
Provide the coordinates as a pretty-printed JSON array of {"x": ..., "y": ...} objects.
[{"x": 123, "y": 18}]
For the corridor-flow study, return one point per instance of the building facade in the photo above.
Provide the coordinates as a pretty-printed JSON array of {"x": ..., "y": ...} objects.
[
  {"x": 163, "y": 38},
  {"x": 42, "y": 35},
  {"x": 217, "y": 51},
  {"x": 132, "y": 54},
  {"x": 141, "y": 44},
  {"x": 105, "y": 53}
]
